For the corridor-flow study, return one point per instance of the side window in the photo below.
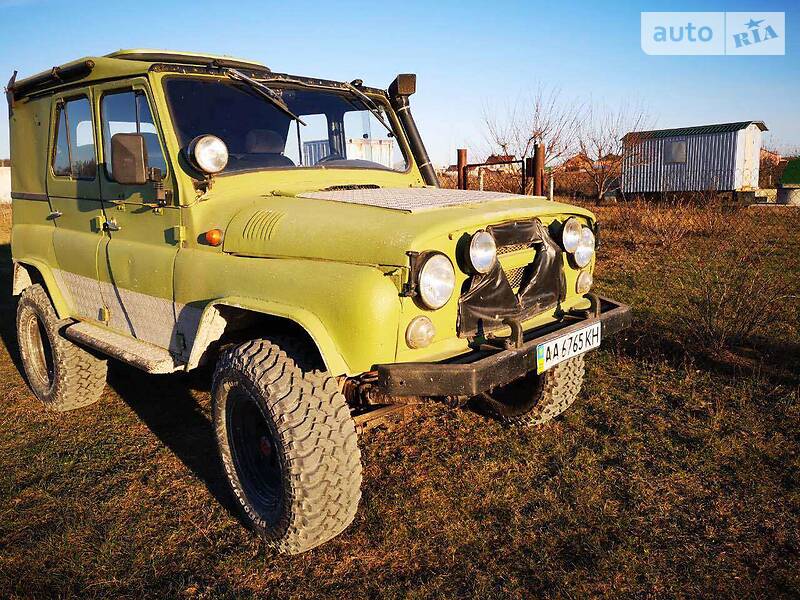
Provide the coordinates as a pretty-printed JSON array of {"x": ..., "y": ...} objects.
[
  {"x": 73, "y": 153},
  {"x": 61, "y": 153},
  {"x": 129, "y": 112},
  {"x": 675, "y": 152}
]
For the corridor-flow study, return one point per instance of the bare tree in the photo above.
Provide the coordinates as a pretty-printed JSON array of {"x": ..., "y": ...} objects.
[
  {"x": 601, "y": 149},
  {"x": 541, "y": 117}
]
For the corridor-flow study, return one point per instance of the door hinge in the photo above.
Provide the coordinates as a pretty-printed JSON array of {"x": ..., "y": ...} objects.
[
  {"x": 105, "y": 314},
  {"x": 179, "y": 233}
]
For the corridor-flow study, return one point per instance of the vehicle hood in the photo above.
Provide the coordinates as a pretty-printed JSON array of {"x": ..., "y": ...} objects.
[{"x": 373, "y": 226}]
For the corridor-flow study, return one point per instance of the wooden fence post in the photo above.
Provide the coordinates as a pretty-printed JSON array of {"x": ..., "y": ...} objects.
[
  {"x": 461, "y": 165},
  {"x": 538, "y": 170}
]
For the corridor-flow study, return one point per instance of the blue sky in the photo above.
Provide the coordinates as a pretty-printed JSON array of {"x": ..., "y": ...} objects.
[{"x": 468, "y": 55}]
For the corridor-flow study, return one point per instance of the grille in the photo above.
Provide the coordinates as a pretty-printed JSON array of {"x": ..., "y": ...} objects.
[
  {"x": 514, "y": 277},
  {"x": 512, "y": 248}
]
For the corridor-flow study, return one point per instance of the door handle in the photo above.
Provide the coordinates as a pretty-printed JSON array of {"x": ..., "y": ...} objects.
[
  {"x": 111, "y": 225},
  {"x": 54, "y": 214}
]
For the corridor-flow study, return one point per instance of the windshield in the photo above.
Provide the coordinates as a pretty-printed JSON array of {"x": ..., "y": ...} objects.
[{"x": 339, "y": 130}]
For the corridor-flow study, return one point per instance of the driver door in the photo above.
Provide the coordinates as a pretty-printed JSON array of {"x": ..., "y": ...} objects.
[{"x": 142, "y": 222}]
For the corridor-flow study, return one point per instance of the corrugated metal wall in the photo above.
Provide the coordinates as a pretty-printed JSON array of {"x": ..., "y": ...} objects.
[{"x": 710, "y": 165}]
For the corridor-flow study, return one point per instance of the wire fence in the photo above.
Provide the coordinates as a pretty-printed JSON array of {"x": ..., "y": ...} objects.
[{"x": 502, "y": 178}]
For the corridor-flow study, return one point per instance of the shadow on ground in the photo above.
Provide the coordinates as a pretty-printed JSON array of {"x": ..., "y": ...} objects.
[
  {"x": 163, "y": 402},
  {"x": 166, "y": 405}
]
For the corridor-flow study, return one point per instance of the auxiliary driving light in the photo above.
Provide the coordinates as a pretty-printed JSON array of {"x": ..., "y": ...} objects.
[
  {"x": 420, "y": 332},
  {"x": 208, "y": 153},
  {"x": 584, "y": 284},
  {"x": 585, "y": 249},
  {"x": 482, "y": 251},
  {"x": 571, "y": 235}
]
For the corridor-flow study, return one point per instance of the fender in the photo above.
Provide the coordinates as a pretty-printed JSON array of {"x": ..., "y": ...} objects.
[
  {"x": 212, "y": 325},
  {"x": 22, "y": 279}
]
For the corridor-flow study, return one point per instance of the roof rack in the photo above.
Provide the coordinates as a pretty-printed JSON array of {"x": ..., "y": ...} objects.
[
  {"x": 63, "y": 74},
  {"x": 187, "y": 58}
]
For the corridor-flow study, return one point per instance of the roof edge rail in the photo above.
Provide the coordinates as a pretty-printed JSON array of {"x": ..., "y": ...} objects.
[
  {"x": 157, "y": 56},
  {"x": 55, "y": 76}
]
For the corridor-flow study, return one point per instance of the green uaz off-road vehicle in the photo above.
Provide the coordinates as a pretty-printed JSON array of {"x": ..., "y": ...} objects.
[{"x": 174, "y": 209}]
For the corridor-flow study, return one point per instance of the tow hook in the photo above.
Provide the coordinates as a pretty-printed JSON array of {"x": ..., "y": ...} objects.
[{"x": 515, "y": 339}]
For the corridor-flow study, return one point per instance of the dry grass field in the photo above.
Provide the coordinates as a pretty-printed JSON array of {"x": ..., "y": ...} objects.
[{"x": 676, "y": 474}]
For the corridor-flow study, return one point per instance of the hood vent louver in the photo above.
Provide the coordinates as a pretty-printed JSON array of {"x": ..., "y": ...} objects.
[{"x": 262, "y": 225}]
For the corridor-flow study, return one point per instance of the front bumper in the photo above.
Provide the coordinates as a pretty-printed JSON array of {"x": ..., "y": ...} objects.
[{"x": 490, "y": 366}]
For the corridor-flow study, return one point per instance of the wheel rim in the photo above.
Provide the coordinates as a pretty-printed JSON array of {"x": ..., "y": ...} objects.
[
  {"x": 40, "y": 363},
  {"x": 255, "y": 456}
]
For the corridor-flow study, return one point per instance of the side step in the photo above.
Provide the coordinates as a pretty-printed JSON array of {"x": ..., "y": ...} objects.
[{"x": 141, "y": 355}]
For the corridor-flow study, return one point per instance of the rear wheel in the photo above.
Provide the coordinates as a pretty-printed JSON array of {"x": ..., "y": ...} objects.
[
  {"x": 288, "y": 445},
  {"x": 536, "y": 399},
  {"x": 63, "y": 375}
]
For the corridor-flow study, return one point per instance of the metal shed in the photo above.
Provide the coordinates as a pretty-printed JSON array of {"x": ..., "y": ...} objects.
[{"x": 721, "y": 157}]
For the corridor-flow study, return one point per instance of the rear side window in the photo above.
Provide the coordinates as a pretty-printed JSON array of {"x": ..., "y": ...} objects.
[
  {"x": 129, "y": 112},
  {"x": 73, "y": 154}
]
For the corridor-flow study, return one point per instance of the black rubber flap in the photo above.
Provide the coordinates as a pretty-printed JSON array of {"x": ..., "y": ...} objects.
[{"x": 490, "y": 301}]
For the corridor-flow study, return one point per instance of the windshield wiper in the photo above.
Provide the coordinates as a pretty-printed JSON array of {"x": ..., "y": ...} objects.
[
  {"x": 265, "y": 92},
  {"x": 369, "y": 103}
]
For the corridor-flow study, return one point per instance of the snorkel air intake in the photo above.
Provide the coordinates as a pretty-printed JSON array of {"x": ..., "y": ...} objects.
[{"x": 401, "y": 88}]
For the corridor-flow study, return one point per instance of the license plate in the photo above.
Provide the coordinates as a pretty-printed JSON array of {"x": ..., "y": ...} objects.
[{"x": 564, "y": 347}]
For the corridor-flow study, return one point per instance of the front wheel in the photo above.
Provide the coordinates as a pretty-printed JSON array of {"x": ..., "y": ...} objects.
[
  {"x": 288, "y": 445},
  {"x": 536, "y": 399}
]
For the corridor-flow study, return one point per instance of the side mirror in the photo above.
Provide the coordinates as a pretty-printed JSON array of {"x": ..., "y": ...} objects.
[{"x": 129, "y": 158}]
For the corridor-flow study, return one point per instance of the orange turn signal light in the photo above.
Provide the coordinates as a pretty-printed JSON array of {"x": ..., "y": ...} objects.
[{"x": 214, "y": 237}]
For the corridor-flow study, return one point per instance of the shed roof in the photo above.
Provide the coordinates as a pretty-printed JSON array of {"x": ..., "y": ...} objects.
[{"x": 696, "y": 130}]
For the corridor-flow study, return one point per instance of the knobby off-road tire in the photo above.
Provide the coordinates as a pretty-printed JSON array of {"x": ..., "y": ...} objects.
[
  {"x": 537, "y": 399},
  {"x": 61, "y": 374},
  {"x": 288, "y": 445}
]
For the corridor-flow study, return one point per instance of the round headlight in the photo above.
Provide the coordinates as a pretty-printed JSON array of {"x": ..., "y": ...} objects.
[
  {"x": 585, "y": 250},
  {"x": 482, "y": 251},
  {"x": 436, "y": 282},
  {"x": 584, "y": 283},
  {"x": 420, "y": 332},
  {"x": 571, "y": 234},
  {"x": 209, "y": 153}
]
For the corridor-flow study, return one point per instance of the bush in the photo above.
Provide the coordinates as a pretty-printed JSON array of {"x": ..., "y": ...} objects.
[
  {"x": 667, "y": 223},
  {"x": 742, "y": 282}
]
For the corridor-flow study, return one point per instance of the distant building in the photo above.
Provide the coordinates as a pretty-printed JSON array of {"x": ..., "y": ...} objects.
[
  {"x": 5, "y": 180},
  {"x": 722, "y": 157},
  {"x": 376, "y": 150},
  {"x": 770, "y": 157},
  {"x": 502, "y": 163},
  {"x": 582, "y": 163}
]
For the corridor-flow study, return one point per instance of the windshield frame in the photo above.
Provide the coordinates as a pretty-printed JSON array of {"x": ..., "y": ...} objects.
[{"x": 283, "y": 81}]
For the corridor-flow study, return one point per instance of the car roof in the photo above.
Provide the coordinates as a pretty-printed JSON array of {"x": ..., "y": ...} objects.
[
  {"x": 139, "y": 61},
  {"x": 122, "y": 63}
]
